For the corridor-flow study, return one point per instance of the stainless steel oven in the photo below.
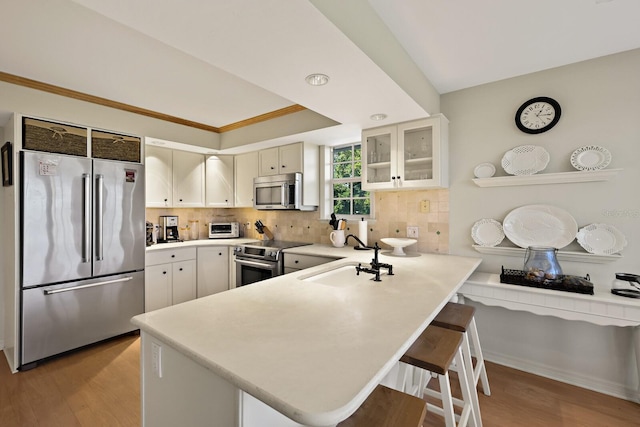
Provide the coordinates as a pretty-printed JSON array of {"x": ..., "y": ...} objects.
[{"x": 260, "y": 260}]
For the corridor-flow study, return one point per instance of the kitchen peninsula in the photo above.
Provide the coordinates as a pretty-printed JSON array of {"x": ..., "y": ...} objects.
[{"x": 310, "y": 345}]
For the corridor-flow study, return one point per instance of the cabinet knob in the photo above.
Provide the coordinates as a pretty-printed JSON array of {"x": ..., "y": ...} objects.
[
  {"x": 173, "y": 256},
  {"x": 220, "y": 253},
  {"x": 180, "y": 269},
  {"x": 398, "y": 177},
  {"x": 180, "y": 199},
  {"x": 272, "y": 168},
  {"x": 283, "y": 166},
  {"x": 297, "y": 261},
  {"x": 393, "y": 177},
  {"x": 164, "y": 272},
  {"x": 166, "y": 200}
]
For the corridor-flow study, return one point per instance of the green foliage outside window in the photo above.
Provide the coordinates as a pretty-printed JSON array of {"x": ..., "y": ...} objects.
[{"x": 348, "y": 196}]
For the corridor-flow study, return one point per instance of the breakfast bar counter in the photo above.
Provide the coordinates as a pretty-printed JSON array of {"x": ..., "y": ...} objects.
[{"x": 305, "y": 348}]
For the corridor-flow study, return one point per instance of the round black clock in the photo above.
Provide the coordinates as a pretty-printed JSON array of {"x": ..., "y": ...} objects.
[{"x": 538, "y": 115}]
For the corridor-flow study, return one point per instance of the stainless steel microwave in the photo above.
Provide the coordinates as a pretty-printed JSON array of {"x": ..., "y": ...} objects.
[{"x": 277, "y": 191}]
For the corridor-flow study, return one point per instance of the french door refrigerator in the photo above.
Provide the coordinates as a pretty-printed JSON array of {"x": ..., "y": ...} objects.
[{"x": 83, "y": 247}]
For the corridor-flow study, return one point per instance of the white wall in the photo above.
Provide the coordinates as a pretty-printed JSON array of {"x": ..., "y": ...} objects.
[{"x": 600, "y": 102}]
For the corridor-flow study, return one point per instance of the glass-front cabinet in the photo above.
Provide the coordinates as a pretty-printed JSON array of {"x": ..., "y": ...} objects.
[{"x": 406, "y": 155}]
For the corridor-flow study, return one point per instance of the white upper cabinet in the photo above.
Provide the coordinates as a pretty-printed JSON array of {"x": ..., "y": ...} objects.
[
  {"x": 406, "y": 156},
  {"x": 219, "y": 181},
  {"x": 246, "y": 168},
  {"x": 159, "y": 176},
  {"x": 174, "y": 178},
  {"x": 188, "y": 179},
  {"x": 284, "y": 159}
]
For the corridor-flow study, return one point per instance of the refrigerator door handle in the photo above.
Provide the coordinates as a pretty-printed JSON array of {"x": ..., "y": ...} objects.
[
  {"x": 99, "y": 215},
  {"x": 86, "y": 220},
  {"x": 91, "y": 285}
]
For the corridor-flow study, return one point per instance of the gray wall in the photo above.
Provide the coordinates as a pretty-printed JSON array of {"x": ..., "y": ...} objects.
[{"x": 600, "y": 102}]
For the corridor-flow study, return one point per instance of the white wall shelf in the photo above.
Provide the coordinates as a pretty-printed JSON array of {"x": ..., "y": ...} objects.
[
  {"x": 561, "y": 255},
  {"x": 547, "y": 178}
]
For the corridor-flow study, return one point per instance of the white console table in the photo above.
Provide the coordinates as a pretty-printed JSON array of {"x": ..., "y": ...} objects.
[{"x": 602, "y": 308}]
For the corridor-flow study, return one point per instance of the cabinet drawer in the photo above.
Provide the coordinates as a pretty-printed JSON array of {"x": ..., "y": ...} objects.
[
  {"x": 300, "y": 262},
  {"x": 170, "y": 255}
]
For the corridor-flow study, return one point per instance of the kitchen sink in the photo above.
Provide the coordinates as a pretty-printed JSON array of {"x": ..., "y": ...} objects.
[{"x": 341, "y": 276}]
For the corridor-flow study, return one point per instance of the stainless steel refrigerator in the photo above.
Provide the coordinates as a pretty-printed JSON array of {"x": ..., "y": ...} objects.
[{"x": 83, "y": 248}]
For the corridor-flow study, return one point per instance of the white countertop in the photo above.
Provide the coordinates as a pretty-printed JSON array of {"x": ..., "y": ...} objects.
[
  {"x": 310, "y": 350},
  {"x": 198, "y": 243}
]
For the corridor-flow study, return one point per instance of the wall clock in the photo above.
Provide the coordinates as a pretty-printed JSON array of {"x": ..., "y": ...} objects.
[{"x": 538, "y": 115}]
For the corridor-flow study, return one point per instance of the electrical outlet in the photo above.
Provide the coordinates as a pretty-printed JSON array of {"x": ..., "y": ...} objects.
[
  {"x": 156, "y": 359},
  {"x": 424, "y": 206},
  {"x": 412, "y": 232}
]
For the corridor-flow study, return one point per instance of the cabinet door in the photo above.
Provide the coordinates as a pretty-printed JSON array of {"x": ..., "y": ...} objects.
[
  {"x": 188, "y": 179},
  {"x": 269, "y": 161},
  {"x": 184, "y": 281},
  {"x": 246, "y": 168},
  {"x": 213, "y": 270},
  {"x": 158, "y": 167},
  {"x": 423, "y": 153},
  {"x": 291, "y": 159},
  {"x": 157, "y": 287},
  {"x": 379, "y": 158},
  {"x": 219, "y": 181}
]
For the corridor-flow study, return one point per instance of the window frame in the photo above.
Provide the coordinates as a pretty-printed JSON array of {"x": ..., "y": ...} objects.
[{"x": 330, "y": 181}]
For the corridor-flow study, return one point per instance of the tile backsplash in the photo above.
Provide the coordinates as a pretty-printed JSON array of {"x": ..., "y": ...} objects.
[{"x": 394, "y": 211}]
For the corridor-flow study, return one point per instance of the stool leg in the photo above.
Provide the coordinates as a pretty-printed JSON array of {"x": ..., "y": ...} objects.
[
  {"x": 480, "y": 371},
  {"x": 405, "y": 378},
  {"x": 468, "y": 367},
  {"x": 468, "y": 411},
  {"x": 447, "y": 401}
]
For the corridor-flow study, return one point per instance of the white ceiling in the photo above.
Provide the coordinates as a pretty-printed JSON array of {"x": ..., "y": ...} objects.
[{"x": 219, "y": 62}]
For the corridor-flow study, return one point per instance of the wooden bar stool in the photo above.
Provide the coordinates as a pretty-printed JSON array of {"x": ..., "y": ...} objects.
[
  {"x": 434, "y": 351},
  {"x": 460, "y": 317},
  {"x": 386, "y": 407}
]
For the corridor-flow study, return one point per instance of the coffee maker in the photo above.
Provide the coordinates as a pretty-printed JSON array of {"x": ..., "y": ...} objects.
[{"x": 168, "y": 229}]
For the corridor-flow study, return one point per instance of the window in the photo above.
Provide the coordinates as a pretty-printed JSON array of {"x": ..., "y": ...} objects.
[{"x": 348, "y": 198}]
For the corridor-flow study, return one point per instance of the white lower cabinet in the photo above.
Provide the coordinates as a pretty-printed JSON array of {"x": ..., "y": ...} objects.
[
  {"x": 157, "y": 287},
  {"x": 184, "y": 282},
  {"x": 213, "y": 270},
  {"x": 170, "y": 277}
]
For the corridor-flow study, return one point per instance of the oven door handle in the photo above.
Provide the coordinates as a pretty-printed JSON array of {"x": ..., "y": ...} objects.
[{"x": 266, "y": 266}]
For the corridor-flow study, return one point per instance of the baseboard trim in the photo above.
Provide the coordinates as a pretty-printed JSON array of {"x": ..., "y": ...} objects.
[{"x": 601, "y": 386}]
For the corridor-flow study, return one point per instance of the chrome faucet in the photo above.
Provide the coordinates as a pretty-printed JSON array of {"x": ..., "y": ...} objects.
[
  {"x": 375, "y": 265},
  {"x": 362, "y": 246}
]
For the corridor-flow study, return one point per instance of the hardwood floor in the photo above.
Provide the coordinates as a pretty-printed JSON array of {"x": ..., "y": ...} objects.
[
  {"x": 100, "y": 386},
  {"x": 96, "y": 386}
]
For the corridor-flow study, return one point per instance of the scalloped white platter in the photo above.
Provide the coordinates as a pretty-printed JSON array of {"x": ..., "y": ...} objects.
[
  {"x": 540, "y": 225},
  {"x": 601, "y": 239},
  {"x": 590, "y": 158},
  {"x": 525, "y": 160},
  {"x": 487, "y": 232}
]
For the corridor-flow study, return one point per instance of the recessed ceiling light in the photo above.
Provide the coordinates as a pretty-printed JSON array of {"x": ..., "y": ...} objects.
[
  {"x": 317, "y": 79},
  {"x": 378, "y": 117}
]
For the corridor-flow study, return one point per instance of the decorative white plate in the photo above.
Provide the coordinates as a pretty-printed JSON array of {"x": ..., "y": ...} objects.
[
  {"x": 525, "y": 160},
  {"x": 487, "y": 232},
  {"x": 590, "y": 158},
  {"x": 601, "y": 239},
  {"x": 540, "y": 225},
  {"x": 484, "y": 170}
]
